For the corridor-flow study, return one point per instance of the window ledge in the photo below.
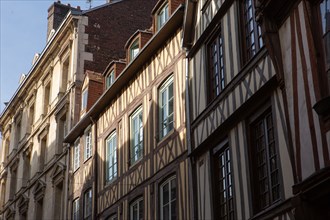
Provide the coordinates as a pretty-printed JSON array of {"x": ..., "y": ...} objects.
[
  {"x": 135, "y": 163},
  {"x": 273, "y": 210},
  {"x": 87, "y": 159},
  {"x": 165, "y": 138}
]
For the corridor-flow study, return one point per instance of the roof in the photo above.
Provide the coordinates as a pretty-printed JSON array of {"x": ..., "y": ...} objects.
[{"x": 156, "y": 42}]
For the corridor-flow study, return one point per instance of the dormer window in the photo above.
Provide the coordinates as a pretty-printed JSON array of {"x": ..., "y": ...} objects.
[
  {"x": 162, "y": 16},
  {"x": 84, "y": 99},
  {"x": 134, "y": 49},
  {"x": 110, "y": 78}
]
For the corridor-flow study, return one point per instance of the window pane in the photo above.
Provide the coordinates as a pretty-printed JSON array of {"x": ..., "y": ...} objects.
[
  {"x": 111, "y": 159},
  {"x": 166, "y": 108},
  {"x": 267, "y": 181}
]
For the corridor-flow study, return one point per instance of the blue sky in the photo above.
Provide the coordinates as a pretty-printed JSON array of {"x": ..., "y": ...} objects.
[{"x": 23, "y": 27}]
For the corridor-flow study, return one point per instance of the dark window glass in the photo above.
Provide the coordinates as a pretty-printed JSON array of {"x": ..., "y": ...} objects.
[
  {"x": 265, "y": 158},
  {"x": 325, "y": 16},
  {"x": 168, "y": 200},
  {"x": 253, "y": 39},
  {"x": 224, "y": 204},
  {"x": 216, "y": 66}
]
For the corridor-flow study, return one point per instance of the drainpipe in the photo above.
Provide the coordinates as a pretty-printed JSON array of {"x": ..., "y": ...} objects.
[
  {"x": 95, "y": 191},
  {"x": 188, "y": 137},
  {"x": 66, "y": 181}
]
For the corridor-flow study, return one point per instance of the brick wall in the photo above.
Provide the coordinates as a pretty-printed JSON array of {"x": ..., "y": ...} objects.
[
  {"x": 95, "y": 90},
  {"x": 110, "y": 27}
]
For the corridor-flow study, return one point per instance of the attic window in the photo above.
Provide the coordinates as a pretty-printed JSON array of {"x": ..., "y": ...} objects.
[
  {"x": 162, "y": 16},
  {"x": 110, "y": 78},
  {"x": 84, "y": 99},
  {"x": 134, "y": 49}
]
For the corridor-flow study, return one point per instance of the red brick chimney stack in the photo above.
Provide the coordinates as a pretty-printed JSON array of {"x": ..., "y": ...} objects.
[{"x": 56, "y": 14}]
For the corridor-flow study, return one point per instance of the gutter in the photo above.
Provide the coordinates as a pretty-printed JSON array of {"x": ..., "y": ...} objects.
[{"x": 174, "y": 22}]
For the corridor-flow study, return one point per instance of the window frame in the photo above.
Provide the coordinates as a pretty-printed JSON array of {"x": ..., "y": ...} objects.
[
  {"x": 88, "y": 209},
  {"x": 247, "y": 31},
  {"x": 75, "y": 208},
  {"x": 260, "y": 115},
  {"x": 165, "y": 87},
  {"x": 84, "y": 99},
  {"x": 215, "y": 87},
  {"x": 161, "y": 195},
  {"x": 320, "y": 30},
  {"x": 88, "y": 146},
  {"x": 223, "y": 148},
  {"x": 76, "y": 155},
  {"x": 135, "y": 115},
  {"x": 132, "y": 204},
  {"x": 114, "y": 152},
  {"x": 163, "y": 10},
  {"x": 110, "y": 79},
  {"x": 134, "y": 49}
]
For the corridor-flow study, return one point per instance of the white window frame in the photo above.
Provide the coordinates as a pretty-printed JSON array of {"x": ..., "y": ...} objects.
[
  {"x": 76, "y": 155},
  {"x": 136, "y": 128},
  {"x": 75, "y": 209},
  {"x": 131, "y": 208},
  {"x": 88, "y": 144},
  {"x": 162, "y": 15},
  {"x": 88, "y": 204},
  {"x": 170, "y": 199},
  {"x": 111, "y": 157},
  {"x": 134, "y": 49},
  {"x": 110, "y": 79},
  {"x": 166, "y": 116},
  {"x": 84, "y": 99}
]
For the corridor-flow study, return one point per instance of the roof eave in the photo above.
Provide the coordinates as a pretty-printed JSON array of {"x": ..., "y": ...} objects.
[{"x": 174, "y": 22}]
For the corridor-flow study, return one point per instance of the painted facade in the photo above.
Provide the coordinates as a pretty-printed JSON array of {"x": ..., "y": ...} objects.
[
  {"x": 34, "y": 160},
  {"x": 129, "y": 179}
]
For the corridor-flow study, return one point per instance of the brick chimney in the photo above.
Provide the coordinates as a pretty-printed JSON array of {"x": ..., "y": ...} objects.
[{"x": 56, "y": 14}]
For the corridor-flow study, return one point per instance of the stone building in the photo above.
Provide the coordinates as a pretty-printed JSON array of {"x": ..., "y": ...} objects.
[{"x": 34, "y": 172}]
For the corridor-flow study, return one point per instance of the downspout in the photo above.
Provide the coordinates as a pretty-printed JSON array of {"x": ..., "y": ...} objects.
[
  {"x": 67, "y": 182},
  {"x": 188, "y": 137},
  {"x": 95, "y": 191}
]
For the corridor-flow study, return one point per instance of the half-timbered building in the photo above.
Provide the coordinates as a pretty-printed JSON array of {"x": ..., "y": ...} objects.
[
  {"x": 298, "y": 42},
  {"x": 139, "y": 168},
  {"x": 34, "y": 171},
  {"x": 240, "y": 143}
]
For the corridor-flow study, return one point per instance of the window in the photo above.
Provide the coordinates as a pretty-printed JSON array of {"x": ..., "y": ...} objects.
[
  {"x": 168, "y": 200},
  {"x": 136, "y": 210},
  {"x": 65, "y": 75},
  {"x": 265, "y": 162},
  {"x": 31, "y": 117},
  {"x": 162, "y": 16},
  {"x": 84, "y": 99},
  {"x": 216, "y": 66},
  {"x": 88, "y": 144},
  {"x": 76, "y": 155},
  {"x": 46, "y": 98},
  {"x": 223, "y": 184},
  {"x": 325, "y": 16},
  {"x": 134, "y": 49},
  {"x": 110, "y": 79},
  {"x": 88, "y": 204},
  {"x": 253, "y": 38},
  {"x": 111, "y": 157},
  {"x": 75, "y": 209},
  {"x": 136, "y": 150},
  {"x": 166, "y": 107}
]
